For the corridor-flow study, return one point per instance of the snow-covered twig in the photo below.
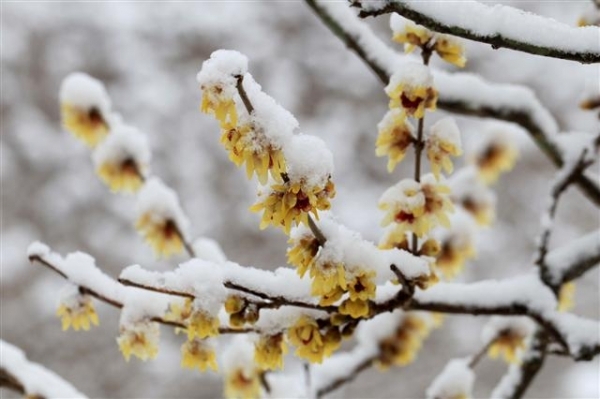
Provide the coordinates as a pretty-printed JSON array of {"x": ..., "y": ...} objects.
[
  {"x": 362, "y": 365},
  {"x": 563, "y": 180},
  {"x": 505, "y": 27},
  {"x": 574, "y": 259},
  {"x": 461, "y": 93},
  {"x": 29, "y": 379}
]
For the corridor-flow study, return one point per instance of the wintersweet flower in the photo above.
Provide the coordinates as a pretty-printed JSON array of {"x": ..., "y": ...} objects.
[
  {"x": 404, "y": 205},
  {"x": 355, "y": 308},
  {"x": 242, "y": 383},
  {"x": 78, "y": 312},
  {"x": 234, "y": 304},
  {"x": 394, "y": 239},
  {"x": 250, "y": 146},
  {"x": 122, "y": 159},
  {"x": 269, "y": 351},
  {"x": 85, "y": 108},
  {"x": 566, "y": 297},
  {"x": 139, "y": 339},
  {"x": 411, "y": 89},
  {"x": 196, "y": 353},
  {"x": 450, "y": 50},
  {"x": 202, "y": 325},
  {"x": 332, "y": 341},
  {"x": 454, "y": 253},
  {"x": 437, "y": 203},
  {"x": 218, "y": 100},
  {"x": 495, "y": 156},
  {"x": 509, "y": 344},
  {"x": 395, "y": 137},
  {"x": 402, "y": 347},
  {"x": 303, "y": 251},
  {"x": 362, "y": 286},
  {"x": 289, "y": 203},
  {"x": 442, "y": 142},
  {"x": 307, "y": 338},
  {"x": 161, "y": 234},
  {"x": 411, "y": 35},
  {"x": 327, "y": 277}
]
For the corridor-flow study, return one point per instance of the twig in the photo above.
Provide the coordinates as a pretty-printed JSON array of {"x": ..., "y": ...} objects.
[
  {"x": 316, "y": 231},
  {"x": 496, "y": 40},
  {"x": 243, "y": 95},
  {"x": 335, "y": 384},
  {"x": 161, "y": 290},
  {"x": 479, "y": 355},
  {"x": 458, "y": 102},
  {"x": 8, "y": 381}
]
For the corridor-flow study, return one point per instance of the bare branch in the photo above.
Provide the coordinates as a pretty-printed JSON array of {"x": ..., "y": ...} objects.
[{"x": 501, "y": 38}]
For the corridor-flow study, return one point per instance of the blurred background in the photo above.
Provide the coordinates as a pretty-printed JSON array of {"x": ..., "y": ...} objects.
[{"x": 148, "y": 55}]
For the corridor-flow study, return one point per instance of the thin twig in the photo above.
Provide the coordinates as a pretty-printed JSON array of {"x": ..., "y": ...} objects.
[
  {"x": 335, "y": 384},
  {"x": 316, "y": 231},
  {"x": 461, "y": 102},
  {"x": 479, "y": 355},
  {"x": 496, "y": 40},
  {"x": 243, "y": 94}
]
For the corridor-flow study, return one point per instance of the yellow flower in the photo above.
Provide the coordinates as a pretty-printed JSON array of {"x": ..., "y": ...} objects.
[
  {"x": 88, "y": 125},
  {"x": 355, "y": 308},
  {"x": 124, "y": 176},
  {"x": 455, "y": 251},
  {"x": 404, "y": 205},
  {"x": 332, "y": 341},
  {"x": 197, "y": 354},
  {"x": 220, "y": 103},
  {"x": 140, "y": 340},
  {"x": 508, "y": 344},
  {"x": 79, "y": 315},
  {"x": 437, "y": 203},
  {"x": 202, "y": 325},
  {"x": 290, "y": 202},
  {"x": 482, "y": 211},
  {"x": 361, "y": 286},
  {"x": 161, "y": 234},
  {"x": 412, "y": 36},
  {"x": 442, "y": 143},
  {"x": 450, "y": 50},
  {"x": 241, "y": 383},
  {"x": 414, "y": 96},
  {"x": 269, "y": 352},
  {"x": 395, "y": 136},
  {"x": 402, "y": 347},
  {"x": 327, "y": 276},
  {"x": 234, "y": 304},
  {"x": 394, "y": 239},
  {"x": 303, "y": 251},
  {"x": 496, "y": 157},
  {"x": 307, "y": 338},
  {"x": 246, "y": 145},
  {"x": 331, "y": 297},
  {"x": 179, "y": 312},
  {"x": 566, "y": 297}
]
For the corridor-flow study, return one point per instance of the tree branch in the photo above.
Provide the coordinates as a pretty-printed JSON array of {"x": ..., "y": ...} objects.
[
  {"x": 480, "y": 100},
  {"x": 504, "y": 36},
  {"x": 335, "y": 384}
]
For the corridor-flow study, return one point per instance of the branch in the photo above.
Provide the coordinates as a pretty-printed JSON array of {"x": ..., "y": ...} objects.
[
  {"x": 350, "y": 376},
  {"x": 459, "y": 93},
  {"x": 574, "y": 259},
  {"x": 30, "y": 379},
  {"x": 499, "y": 26},
  {"x": 565, "y": 177}
]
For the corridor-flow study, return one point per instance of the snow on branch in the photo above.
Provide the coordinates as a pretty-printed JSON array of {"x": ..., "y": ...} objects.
[
  {"x": 572, "y": 260},
  {"x": 523, "y": 295},
  {"x": 499, "y": 26},
  {"x": 30, "y": 379},
  {"x": 461, "y": 93}
]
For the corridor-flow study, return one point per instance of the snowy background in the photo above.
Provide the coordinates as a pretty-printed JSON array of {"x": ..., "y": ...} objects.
[{"x": 148, "y": 55}]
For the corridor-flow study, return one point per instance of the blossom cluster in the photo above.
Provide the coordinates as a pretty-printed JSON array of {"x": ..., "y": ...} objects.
[{"x": 294, "y": 170}]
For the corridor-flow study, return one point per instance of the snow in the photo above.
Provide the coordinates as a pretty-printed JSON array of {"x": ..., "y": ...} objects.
[
  {"x": 239, "y": 353},
  {"x": 446, "y": 130},
  {"x": 406, "y": 195},
  {"x": 508, "y": 383},
  {"x": 572, "y": 145},
  {"x": 509, "y": 22},
  {"x": 526, "y": 290},
  {"x": 456, "y": 380},
  {"x": 124, "y": 142},
  {"x": 221, "y": 68},
  {"x": 38, "y": 249},
  {"x": 466, "y": 185},
  {"x": 85, "y": 92},
  {"x": 412, "y": 74},
  {"x": 562, "y": 259},
  {"x": 208, "y": 249},
  {"x": 373, "y": 331},
  {"x": 161, "y": 203},
  {"x": 36, "y": 379},
  {"x": 581, "y": 334},
  {"x": 308, "y": 159}
]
